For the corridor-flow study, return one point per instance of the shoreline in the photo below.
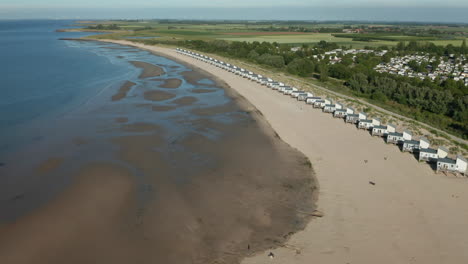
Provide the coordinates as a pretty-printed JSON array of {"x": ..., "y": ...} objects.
[
  {"x": 411, "y": 215},
  {"x": 225, "y": 210}
]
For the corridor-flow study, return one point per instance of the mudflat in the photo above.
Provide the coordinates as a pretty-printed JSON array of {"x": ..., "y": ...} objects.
[
  {"x": 149, "y": 70},
  {"x": 156, "y": 95},
  {"x": 217, "y": 193},
  {"x": 171, "y": 83},
  {"x": 122, "y": 92}
]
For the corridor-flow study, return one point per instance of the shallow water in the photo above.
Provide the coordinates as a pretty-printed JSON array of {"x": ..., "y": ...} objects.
[{"x": 64, "y": 108}]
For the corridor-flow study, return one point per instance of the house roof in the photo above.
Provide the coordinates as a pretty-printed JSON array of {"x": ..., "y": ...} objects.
[
  {"x": 411, "y": 142},
  {"x": 408, "y": 132},
  {"x": 380, "y": 127},
  {"x": 365, "y": 121},
  {"x": 353, "y": 115},
  {"x": 424, "y": 139},
  {"x": 329, "y": 105},
  {"x": 462, "y": 158},
  {"x": 447, "y": 160},
  {"x": 340, "y": 110},
  {"x": 391, "y": 125},
  {"x": 395, "y": 134},
  {"x": 443, "y": 148},
  {"x": 428, "y": 150}
]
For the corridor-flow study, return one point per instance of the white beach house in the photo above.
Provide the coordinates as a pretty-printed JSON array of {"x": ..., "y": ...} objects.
[
  {"x": 311, "y": 100},
  {"x": 407, "y": 135},
  {"x": 391, "y": 128},
  {"x": 395, "y": 137},
  {"x": 365, "y": 124},
  {"x": 339, "y": 113},
  {"x": 431, "y": 155},
  {"x": 320, "y": 103},
  {"x": 411, "y": 145},
  {"x": 329, "y": 108},
  {"x": 379, "y": 131},
  {"x": 376, "y": 122},
  {"x": 362, "y": 116},
  {"x": 452, "y": 165},
  {"x": 304, "y": 96},
  {"x": 352, "y": 118}
]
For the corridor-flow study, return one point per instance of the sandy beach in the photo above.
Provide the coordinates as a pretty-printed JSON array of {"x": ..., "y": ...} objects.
[{"x": 410, "y": 215}]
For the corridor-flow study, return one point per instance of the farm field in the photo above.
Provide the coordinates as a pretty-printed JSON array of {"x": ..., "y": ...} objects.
[{"x": 290, "y": 33}]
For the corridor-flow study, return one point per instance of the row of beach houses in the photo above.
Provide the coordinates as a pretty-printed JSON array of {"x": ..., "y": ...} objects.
[{"x": 421, "y": 147}]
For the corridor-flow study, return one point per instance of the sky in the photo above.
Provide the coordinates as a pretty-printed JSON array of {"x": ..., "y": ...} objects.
[
  {"x": 445, "y": 11},
  {"x": 227, "y": 3}
]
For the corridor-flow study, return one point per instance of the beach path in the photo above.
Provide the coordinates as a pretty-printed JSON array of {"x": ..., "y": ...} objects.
[{"x": 410, "y": 215}]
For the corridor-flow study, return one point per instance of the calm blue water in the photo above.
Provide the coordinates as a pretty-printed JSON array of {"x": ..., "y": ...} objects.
[{"x": 41, "y": 76}]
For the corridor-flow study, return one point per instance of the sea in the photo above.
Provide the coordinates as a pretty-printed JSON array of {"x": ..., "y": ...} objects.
[
  {"x": 55, "y": 104},
  {"x": 42, "y": 77}
]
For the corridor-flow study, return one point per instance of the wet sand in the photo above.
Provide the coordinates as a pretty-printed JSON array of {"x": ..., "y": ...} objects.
[
  {"x": 203, "y": 90},
  {"x": 140, "y": 127},
  {"x": 121, "y": 119},
  {"x": 163, "y": 108},
  {"x": 49, "y": 165},
  {"x": 193, "y": 77},
  {"x": 186, "y": 100},
  {"x": 158, "y": 95},
  {"x": 223, "y": 191},
  {"x": 171, "y": 83},
  {"x": 149, "y": 70},
  {"x": 124, "y": 89}
]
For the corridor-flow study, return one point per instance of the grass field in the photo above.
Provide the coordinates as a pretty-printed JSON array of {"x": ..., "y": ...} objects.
[{"x": 257, "y": 31}]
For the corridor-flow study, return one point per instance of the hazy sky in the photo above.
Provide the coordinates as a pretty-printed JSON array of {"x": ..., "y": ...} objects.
[
  {"x": 446, "y": 11},
  {"x": 226, "y": 3}
]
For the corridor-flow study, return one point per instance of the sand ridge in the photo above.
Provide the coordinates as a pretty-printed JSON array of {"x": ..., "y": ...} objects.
[{"x": 149, "y": 70}]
